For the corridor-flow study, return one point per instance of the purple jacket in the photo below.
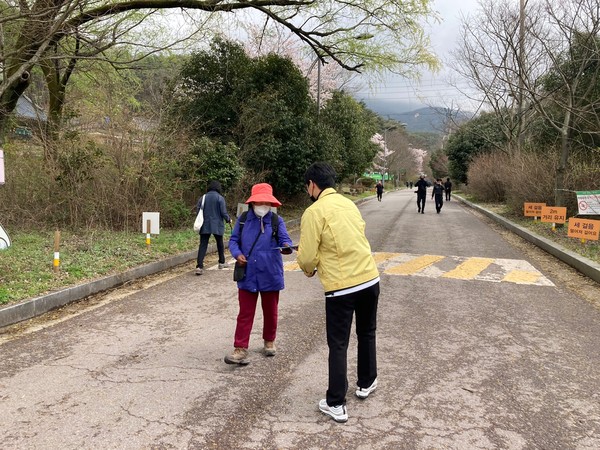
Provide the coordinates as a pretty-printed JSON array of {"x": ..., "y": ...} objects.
[{"x": 264, "y": 271}]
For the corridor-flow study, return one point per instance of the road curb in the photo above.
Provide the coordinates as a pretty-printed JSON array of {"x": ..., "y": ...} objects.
[{"x": 584, "y": 265}]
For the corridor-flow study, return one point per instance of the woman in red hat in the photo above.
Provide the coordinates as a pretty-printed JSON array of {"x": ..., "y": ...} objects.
[{"x": 256, "y": 248}]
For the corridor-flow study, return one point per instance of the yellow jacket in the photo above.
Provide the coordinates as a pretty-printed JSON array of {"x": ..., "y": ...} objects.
[{"x": 333, "y": 241}]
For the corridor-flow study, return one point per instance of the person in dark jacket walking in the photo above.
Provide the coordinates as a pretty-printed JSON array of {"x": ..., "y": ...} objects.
[
  {"x": 379, "y": 188},
  {"x": 438, "y": 193},
  {"x": 215, "y": 212},
  {"x": 421, "y": 186},
  {"x": 448, "y": 188},
  {"x": 258, "y": 252}
]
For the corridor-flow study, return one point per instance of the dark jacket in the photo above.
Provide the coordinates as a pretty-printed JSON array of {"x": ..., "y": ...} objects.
[
  {"x": 438, "y": 191},
  {"x": 215, "y": 212},
  {"x": 448, "y": 186},
  {"x": 421, "y": 186},
  {"x": 264, "y": 271}
]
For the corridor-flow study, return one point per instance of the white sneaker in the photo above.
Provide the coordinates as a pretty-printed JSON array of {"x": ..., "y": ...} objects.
[
  {"x": 198, "y": 271},
  {"x": 364, "y": 392},
  {"x": 337, "y": 413},
  {"x": 223, "y": 266}
]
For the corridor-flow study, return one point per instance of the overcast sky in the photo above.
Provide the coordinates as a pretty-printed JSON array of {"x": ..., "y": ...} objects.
[{"x": 433, "y": 89}]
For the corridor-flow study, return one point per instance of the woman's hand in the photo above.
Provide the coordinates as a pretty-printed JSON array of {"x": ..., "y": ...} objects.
[{"x": 241, "y": 260}]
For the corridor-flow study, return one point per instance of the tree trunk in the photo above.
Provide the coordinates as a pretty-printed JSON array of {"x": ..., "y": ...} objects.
[
  {"x": 8, "y": 102},
  {"x": 56, "y": 101},
  {"x": 565, "y": 149}
]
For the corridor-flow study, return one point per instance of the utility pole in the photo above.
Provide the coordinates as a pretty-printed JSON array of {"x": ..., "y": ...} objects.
[{"x": 521, "y": 59}]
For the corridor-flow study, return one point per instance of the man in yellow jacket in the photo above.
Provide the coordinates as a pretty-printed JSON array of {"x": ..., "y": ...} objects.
[{"x": 333, "y": 244}]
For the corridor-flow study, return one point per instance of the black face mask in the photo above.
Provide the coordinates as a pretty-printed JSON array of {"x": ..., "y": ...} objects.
[{"x": 312, "y": 198}]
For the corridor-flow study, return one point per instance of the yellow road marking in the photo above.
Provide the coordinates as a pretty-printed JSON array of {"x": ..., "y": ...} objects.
[
  {"x": 506, "y": 270},
  {"x": 414, "y": 265},
  {"x": 522, "y": 277},
  {"x": 384, "y": 256},
  {"x": 469, "y": 269}
]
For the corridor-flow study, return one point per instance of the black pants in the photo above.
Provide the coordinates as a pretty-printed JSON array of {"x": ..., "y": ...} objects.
[
  {"x": 339, "y": 312},
  {"x": 379, "y": 194},
  {"x": 448, "y": 194},
  {"x": 439, "y": 202},
  {"x": 204, "y": 246},
  {"x": 421, "y": 201}
]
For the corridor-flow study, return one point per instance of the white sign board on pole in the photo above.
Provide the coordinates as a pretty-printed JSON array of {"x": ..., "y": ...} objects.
[
  {"x": 1, "y": 166},
  {"x": 588, "y": 202},
  {"x": 154, "y": 219}
]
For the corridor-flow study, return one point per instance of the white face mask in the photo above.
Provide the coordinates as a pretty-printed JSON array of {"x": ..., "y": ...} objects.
[{"x": 261, "y": 210}]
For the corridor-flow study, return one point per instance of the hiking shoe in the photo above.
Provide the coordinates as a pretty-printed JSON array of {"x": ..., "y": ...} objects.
[
  {"x": 269, "y": 348},
  {"x": 238, "y": 356},
  {"x": 364, "y": 392},
  {"x": 223, "y": 265},
  {"x": 199, "y": 271},
  {"x": 337, "y": 413}
]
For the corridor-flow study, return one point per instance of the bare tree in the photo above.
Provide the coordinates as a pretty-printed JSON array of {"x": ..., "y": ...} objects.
[
  {"x": 493, "y": 57},
  {"x": 567, "y": 95},
  {"x": 542, "y": 59},
  {"x": 355, "y": 34}
]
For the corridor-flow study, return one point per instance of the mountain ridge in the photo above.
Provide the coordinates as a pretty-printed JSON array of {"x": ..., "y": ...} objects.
[{"x": 423, "y": 119}]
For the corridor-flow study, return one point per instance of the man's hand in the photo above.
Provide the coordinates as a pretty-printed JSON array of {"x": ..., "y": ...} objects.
[{"x": 309, "y": 275}]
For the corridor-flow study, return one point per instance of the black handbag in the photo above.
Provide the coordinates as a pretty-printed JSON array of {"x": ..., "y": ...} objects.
[{"x": 239, "y": 271}]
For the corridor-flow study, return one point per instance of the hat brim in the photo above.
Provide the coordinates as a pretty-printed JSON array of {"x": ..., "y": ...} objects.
[{"x": 264, "y": 198}]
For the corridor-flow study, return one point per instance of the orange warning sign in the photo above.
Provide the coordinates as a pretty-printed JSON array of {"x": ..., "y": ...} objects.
[
  {"x": 533, "y": 209},
  {"x": 583, "y": 228},
  {"x": 554, "y": 214}
]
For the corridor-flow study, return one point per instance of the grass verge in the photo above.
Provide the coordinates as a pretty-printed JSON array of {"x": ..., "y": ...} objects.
[
  {"x": 588, "y": 249},
  {"x": 26, "y": 268}
]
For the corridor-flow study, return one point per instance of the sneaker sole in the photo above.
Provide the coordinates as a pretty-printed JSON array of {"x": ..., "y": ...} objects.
[
  {"x": 243, "y": 362},
  {"x": 337, "y": 419},
  {"x": 363, "y": 395}
]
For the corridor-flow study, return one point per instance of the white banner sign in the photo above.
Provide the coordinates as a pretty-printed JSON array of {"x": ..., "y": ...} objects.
[
  {"x": 1, "y": 167},
  {"x": 588, "y": 202}
]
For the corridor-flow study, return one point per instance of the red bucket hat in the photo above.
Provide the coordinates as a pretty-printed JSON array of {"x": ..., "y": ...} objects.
[{"x": 263, "y": 192}]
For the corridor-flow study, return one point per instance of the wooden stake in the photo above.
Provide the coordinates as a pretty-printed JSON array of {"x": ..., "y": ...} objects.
[
  {"x": 148, "y": 234},
  {"x": 56, "y": 262}
]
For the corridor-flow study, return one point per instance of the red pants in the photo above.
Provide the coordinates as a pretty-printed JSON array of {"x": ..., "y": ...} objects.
[{"x": 245, "y": 319}]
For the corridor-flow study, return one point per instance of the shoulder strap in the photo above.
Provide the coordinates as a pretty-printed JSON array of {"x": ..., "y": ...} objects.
[
  {"x": 275, "y": 226},
  {"x": 242, "y": 222},
  {"x": 202, "y": 204}
]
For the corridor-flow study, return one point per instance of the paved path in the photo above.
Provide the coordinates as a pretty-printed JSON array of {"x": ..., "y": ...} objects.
[{"x": 478, "y": 349}]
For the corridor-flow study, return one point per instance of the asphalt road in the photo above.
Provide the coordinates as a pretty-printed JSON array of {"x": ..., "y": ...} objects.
[{"x": 478, "y": 348}]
